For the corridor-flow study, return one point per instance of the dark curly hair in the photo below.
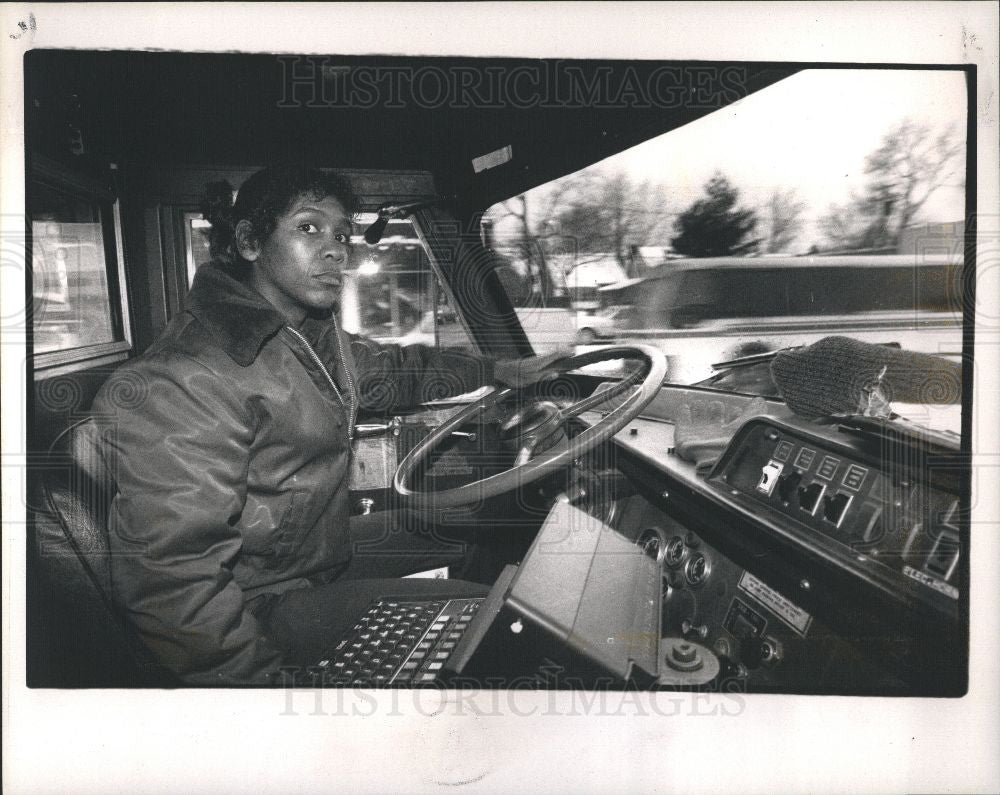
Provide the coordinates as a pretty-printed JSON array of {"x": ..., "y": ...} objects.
[{"x": 261, "y": 199}]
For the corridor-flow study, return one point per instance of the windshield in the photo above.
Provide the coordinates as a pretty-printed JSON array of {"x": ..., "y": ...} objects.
[{"x": 829, "y": 204}]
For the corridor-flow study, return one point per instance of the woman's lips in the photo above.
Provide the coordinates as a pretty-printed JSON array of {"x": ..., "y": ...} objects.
[{"x": 331, "y": 278}]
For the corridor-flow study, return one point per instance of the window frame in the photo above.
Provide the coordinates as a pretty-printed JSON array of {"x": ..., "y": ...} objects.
[
  {"x": 60, "y": 178},
  {"x": 188, "y": 217}
]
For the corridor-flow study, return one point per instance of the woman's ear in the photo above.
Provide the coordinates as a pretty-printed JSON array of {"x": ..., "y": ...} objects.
[{"x": 246, "y": 242}]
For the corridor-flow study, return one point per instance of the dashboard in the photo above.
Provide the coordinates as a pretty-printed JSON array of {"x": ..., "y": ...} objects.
[
  {"x": 798, "y": 557},
  {"x": 809, "y": 558}
]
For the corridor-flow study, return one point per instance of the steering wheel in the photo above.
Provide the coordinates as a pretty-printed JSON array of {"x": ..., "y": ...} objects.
[{"x": 536, "y": 423}]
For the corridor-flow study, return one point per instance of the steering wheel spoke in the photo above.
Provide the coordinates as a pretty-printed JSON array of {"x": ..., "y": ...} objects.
[
  {"x": 526, "y": 451},
  {"x": 595, "y": 400}
]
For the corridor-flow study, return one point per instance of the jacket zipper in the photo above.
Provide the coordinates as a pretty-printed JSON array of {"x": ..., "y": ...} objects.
[
  {"x": 352, "y": 392},
  {"x": 349, "y": 405}
]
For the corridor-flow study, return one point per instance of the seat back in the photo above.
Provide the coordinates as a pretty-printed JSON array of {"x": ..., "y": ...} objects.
[{"x": 87, "y": 640}]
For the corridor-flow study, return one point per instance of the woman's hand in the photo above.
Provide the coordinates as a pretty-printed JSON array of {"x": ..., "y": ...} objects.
[{"x": 519, "y": 373}]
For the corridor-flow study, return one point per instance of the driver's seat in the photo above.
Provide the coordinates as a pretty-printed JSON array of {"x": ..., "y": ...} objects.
[{"x": 78, "y": 637}]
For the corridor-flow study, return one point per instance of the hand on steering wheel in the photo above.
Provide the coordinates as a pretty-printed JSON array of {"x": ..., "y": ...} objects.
[
  {"x": 536, "y": 423},
  {"x": 519, "y": 373}
]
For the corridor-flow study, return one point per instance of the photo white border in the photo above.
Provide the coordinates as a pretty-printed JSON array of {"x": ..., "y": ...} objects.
[{"x": 206, "y": 741}]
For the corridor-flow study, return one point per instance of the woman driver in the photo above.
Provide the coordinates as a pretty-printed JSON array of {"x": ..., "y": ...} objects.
[{"x": 229, "y": 532}]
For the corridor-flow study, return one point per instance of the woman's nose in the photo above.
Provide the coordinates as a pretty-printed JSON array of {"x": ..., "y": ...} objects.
[{"x": 337, "y": 251}]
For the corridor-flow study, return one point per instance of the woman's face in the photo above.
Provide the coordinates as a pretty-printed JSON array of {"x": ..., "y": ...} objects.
[{"x": 299, "y": 268}]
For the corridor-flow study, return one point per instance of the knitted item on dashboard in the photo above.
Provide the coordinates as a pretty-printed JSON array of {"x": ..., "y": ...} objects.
[
  {"x": 839, "y": 375},
  {"x": 701, "y": 436}
]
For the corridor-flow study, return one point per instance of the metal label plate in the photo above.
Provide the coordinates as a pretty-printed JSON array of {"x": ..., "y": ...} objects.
[
  {"x": 791, "y": 614},
  {"x": 931, "y": 582}
]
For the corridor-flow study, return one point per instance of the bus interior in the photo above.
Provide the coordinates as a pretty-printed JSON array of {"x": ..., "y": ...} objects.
[{"x": 736, "y": 541}]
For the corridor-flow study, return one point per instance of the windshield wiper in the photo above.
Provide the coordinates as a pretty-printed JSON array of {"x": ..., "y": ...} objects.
[
  {"x": 753, "y": 358},
  {"x": 766, "y": 356}
]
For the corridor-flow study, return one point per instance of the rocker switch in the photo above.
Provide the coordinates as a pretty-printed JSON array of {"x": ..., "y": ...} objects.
[{"x": 769, "y": 474}]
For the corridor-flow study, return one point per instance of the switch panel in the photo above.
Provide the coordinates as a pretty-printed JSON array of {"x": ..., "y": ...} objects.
[{"x": 881, "y": 516}]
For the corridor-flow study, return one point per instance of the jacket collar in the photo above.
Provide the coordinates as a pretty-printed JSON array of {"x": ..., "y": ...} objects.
[{"x": 239, "y": 318}]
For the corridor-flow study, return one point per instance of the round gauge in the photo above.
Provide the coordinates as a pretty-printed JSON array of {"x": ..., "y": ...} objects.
[
  {"x": 675, "y": 551},
  {"x": 651, "y": 542},
  {"x": 697, "y": 570}
]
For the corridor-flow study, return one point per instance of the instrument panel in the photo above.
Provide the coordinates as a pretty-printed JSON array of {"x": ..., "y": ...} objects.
[
  {"x": 810, "y": 557},
  {"x": 870, "y": 503},
  {"x": 764, "y": 640}
]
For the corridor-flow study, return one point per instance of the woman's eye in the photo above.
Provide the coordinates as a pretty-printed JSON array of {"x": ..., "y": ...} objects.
[
  {"x": 307, "y": 227},
  {"x": 341, "y": 237}
]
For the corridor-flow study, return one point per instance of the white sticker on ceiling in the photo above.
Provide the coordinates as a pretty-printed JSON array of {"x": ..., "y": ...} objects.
[{"x": 492, "y": 159}]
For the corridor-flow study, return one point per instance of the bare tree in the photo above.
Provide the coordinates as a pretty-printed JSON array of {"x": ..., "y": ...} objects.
[
  {"x": 581, "y": 218},
  {"x": 783, "y": 218},
  {"x": 910, "y": 164},
  {"x": 518, "y": 209},
  {"x": 612, "y": 214},
  {"x": 537, "y": 226}
]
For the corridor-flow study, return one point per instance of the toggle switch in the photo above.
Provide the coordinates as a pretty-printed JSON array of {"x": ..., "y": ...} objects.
[{"x": 769, "y": 474}]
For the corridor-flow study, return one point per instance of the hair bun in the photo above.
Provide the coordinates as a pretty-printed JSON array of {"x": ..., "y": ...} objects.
[
  {"x": 217, "y": 206},
  {"x": 217, "y": 209}
]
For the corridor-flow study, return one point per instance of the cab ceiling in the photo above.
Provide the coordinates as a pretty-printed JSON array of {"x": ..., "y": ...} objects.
[{"x": 436, "y": 114}]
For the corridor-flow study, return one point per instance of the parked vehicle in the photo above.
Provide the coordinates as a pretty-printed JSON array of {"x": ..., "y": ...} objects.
[{"x": 603, "y": 324}]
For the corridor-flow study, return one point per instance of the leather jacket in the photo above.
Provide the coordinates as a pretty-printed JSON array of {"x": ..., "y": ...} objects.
[{"x": 229, "y": 444}]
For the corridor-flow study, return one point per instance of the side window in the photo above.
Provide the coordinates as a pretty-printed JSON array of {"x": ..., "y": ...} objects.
[
  {"x": 883, "y": 289},
  {"x": 732, "y": 295},
  {"x": 755, "y": 294},
  {"x": 530, "y": 270},
  {"x": 939, "y": 288},
  {"x": 768, "y": 294},
  {"x": 822, "y": 291},
  {"x": 701, "y": 298},
  {"x": 196, "y": 243},
  {"x": 392, "y": 294},
  {"x": 79, "y": 305}
]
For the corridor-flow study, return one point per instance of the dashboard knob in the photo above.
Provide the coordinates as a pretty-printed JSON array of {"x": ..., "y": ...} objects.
[
  {"x": 755, "y": 652},
  {"x": 771, "y": 651},
  {"x": 684, "y": 657},
  {"x": 686, "y": 663}
]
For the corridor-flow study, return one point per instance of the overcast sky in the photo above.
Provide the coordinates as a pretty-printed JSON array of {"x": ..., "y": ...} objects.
[{"x": 810, "y": 131}]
